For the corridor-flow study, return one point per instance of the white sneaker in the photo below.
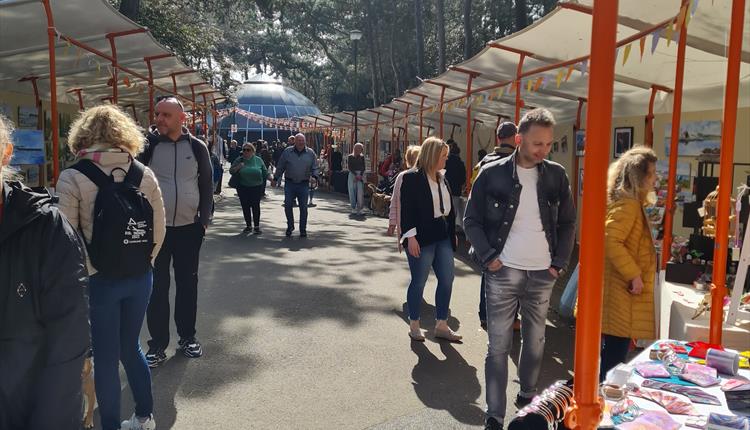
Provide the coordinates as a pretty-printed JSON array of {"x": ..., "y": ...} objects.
[
  {"x": 354, "y": 212},
  {"x": 135, "y": 424}
]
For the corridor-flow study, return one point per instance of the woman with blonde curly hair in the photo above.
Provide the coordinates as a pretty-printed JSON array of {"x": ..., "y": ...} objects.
[
  {"x": 44, "y": 319},
  {"x": 630, "y": 257},
  {"x": 107, "y": 140}
]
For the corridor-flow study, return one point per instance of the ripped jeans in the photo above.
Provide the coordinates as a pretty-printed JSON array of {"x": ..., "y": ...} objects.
[{"x": 506, "y": 291}]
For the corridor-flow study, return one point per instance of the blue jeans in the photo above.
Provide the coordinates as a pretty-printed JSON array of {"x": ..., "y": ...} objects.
[
  {"x": 117, "y": 308},
  {"x": 356, "y": 192},
  {"x": 300, "y": 192},
  {"x": 439, "y": 256},
  {"x": 482, "y": 300},
  {"x": 506, "y": 290}
]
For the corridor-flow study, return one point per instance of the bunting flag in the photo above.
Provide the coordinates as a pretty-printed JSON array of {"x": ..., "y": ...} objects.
[
  {"x": 538, "y": 83},
  {"x": 693, "y": 8},
  {"x": 559, "y": 77},
  {"x": 545, "y": 81},
  {"x": 617, "y": 54},
  {"x": 642, "y": 44},
  {"x": 655, "y": 36},
  {"x": 528, "y": 85},
  {"x": 570, "y": 72},
  {"x": 584, "y": 66},
  {"x": 668, "y": 33},
  {"x": 626, "y": 54}
]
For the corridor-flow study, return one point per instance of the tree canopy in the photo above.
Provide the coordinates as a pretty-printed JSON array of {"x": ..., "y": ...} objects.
[{"x": 306, "y": 42}]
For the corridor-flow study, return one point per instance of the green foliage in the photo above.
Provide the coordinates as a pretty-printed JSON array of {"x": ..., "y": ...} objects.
[{"x": 307, "y": 41}]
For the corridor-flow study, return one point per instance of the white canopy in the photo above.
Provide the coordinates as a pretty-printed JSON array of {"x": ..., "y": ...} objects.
[
  {"x": 24, "y": 54},
  {"x": 563, "y": 38}
]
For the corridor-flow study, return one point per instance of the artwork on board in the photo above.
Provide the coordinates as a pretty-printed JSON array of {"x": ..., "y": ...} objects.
[
  {"x": 564, "y": 144},
  {"x": 555, "y": 146},
  {"x": 623, "y": 140},
  {"x": 683, "y": 190},
  {"x": 28, "y": 147},
  {"x": 580, "y": 142},
  {"x": 580, "y": 181},
  {"x": 28, "y": 117},
  {"x": 695, "y": 138},
  {"x": 5, "y": 110}
]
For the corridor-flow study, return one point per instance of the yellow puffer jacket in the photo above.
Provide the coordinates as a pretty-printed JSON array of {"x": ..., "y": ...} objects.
[{"x": 629, "y": 253}]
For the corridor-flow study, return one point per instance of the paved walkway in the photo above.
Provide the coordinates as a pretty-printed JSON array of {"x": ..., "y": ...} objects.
[{"x": 312, "y": 333}]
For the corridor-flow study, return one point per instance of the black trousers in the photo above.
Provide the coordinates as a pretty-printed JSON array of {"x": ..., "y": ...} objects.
[
  {"x": 250, "y": 201},
  {"x": 614, "y": 351},
  {"x": 181, "y": 246}
]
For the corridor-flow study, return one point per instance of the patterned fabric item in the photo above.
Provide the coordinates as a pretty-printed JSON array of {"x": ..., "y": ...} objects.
[
  {"x": 696, "y": 395},
  {"x": 651, "y": 420},
  {"x": 670, "y": 402}
]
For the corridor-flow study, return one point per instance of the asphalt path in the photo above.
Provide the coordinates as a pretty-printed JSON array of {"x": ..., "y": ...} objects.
[{"x": 312, "y": 333}]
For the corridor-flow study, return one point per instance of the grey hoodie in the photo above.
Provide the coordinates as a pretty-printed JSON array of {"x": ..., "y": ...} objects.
[{"x": 183, "y": 169}]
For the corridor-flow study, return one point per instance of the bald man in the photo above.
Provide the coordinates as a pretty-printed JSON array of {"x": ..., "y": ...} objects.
[
  {"x": 183, "y": 168},
  {"x": 298, "y": 164}
]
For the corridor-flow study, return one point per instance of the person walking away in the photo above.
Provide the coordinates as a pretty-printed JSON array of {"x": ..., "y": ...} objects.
[
  {"x": 455, "y": 173},
  {"x": 252, "y": 173},
  {"x": 394, "y": 212},
  {"x": 44, "y": 327},
  {"x": 506, "y": 143},
  {"x": 298, "y": 164},
  {"x": 265, "y": 155},
  {"x": 183, "y": 169},
  {"x": 356, "y": 166},
  {"x": 520, "y": 220},
  {"x": 234, "y": 151},
  {"x": 429, "y": 226},
  {"x": 121, "y": 251},
  {"x": 629, "y": 257},
  {"x": 216, "y": 167}
]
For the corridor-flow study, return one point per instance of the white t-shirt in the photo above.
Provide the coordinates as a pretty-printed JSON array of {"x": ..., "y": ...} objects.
[{"x": 526, "y": 247}]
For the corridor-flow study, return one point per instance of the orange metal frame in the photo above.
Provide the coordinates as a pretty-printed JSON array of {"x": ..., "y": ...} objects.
[
  {"x": 375, "y": 140},
  {"x": 718, "y": 288},
  {"x": 469, "y": 129},
  {"x": 674, "y": 147},
  {"x": 586, "y": 411}
]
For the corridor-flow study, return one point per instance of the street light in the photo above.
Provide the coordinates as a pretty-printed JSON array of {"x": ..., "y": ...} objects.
[{"x": 355, "y": 35}]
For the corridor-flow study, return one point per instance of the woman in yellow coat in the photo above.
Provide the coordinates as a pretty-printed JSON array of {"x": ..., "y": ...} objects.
[{"x": 630, "y": 257}]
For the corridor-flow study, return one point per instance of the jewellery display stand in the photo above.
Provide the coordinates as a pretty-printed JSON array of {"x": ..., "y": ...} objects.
[{"x": 739, "y": 280}]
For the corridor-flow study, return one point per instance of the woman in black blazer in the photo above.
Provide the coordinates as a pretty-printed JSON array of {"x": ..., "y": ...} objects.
[{"x": 428, "y": 223}]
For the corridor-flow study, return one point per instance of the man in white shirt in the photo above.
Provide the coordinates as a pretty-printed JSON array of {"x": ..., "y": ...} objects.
[{"x": 520, "y": 220}]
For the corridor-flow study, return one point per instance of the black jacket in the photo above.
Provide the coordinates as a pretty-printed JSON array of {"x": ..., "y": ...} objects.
[
  {"x": 417, "y": 211},
  {"x": 44, "y": 328},
  {"x": 455, "y": 173},
  {"x": 494, "y": 200}
]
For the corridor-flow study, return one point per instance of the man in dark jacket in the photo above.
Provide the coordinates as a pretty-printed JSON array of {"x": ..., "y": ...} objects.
[
  {"x": 187, "y": 190},
  {"x": 44, "y": 328},
  {"x": 520, "y": 220},
  {"x": 455, "y": 173}
]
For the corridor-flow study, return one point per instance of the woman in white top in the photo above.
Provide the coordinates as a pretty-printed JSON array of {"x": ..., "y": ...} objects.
[{"x": 428, "y": 221}]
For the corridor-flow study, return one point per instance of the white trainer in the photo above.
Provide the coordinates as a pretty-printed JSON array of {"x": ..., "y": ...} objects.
[{"x": 134, "y": 423}]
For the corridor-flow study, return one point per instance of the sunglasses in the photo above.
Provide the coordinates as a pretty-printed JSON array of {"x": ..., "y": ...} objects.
[{"x": 247, "y": 150}]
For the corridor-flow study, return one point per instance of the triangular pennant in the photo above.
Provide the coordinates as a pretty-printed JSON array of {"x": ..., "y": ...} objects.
[
  {"x": 626, "y": 54},
  {"x": 693, "y": 8},
  {"x": 584, "y": 66},
  {"x": 559, "y": 77},
  {"x": 642, "y": 44},
  {"x": 655, "y": 36},
  {"x": 668, "y": 33},
  {"x": 528, "y": 85},
  {"x": 570, "y": 72},
  {"x": 617, "y": 54},
  {"x": 545, "y": 81},
  {"x": 538, "y": 83}
]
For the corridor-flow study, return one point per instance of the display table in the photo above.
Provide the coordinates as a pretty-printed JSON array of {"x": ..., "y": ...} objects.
[
  {"x": 678, "y": 304},
  {"x": 703, "y": 409}
]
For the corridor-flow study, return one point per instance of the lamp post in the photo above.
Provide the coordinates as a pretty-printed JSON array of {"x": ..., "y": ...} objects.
[{"x": 355, "y": 35}]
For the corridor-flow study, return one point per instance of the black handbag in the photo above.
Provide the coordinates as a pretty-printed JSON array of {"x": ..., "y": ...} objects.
[{"x": 234, "y": 180}]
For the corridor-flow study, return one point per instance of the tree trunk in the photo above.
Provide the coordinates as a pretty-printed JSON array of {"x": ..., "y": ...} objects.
[
  {"x": 440, "y": 22},
  {"x": 370, "y": 38},
  {"x": 130, "y": 8},
  {"x": 396, "y": 75},
  {"x": 522, "y": 16},
  {"x": 468, "y": 49},
  {"x": 418, "y": 22}
]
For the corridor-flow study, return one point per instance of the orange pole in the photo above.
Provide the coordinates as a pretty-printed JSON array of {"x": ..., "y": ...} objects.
[
  {"x": 53, "y": 91},
  {"x": 673, "y": 145},
  {"x": 421, "y": 109},
  {"x": 114, "y": 67},
  {"x": 469, "y": 141},
  {"x": 519, "y": 102},
  {"x": 718, "y": 288},
  {"x": 586, "y": 412}
]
